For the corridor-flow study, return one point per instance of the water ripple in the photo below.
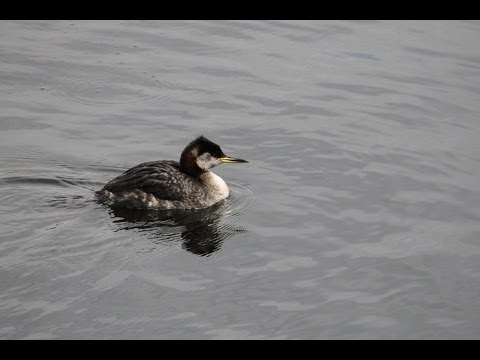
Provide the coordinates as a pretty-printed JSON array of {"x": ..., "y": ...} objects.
[{"x": 112, "y": 90}]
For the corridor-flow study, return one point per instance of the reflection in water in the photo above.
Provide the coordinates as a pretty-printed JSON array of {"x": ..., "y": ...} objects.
[{"x": 202, "y": 231}]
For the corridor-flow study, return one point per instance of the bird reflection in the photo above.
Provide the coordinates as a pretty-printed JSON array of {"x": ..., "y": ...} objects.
[{"x": 202, "y": 231}]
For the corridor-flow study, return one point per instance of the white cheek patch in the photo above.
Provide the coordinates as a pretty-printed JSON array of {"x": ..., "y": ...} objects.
[{"x": 207, "y": 161}]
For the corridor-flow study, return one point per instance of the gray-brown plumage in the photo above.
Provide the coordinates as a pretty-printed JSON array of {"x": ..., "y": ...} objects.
[{"x": 168, "y": 184}]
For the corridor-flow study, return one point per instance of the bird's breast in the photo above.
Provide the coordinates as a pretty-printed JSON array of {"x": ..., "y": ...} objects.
[{"x": 216, "y": 186}]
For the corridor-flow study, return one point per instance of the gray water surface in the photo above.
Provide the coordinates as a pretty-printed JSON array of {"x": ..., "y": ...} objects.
[{"x": 356, "y": 218}]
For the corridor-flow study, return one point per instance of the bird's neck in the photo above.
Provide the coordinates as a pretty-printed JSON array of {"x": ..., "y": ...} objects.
[{"x": 189, "y": 166}]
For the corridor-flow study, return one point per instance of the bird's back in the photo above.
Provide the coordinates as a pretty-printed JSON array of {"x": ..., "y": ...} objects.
[{"x": 153, "y": 184}]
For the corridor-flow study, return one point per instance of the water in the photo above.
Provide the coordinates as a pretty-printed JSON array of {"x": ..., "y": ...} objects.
[{"x": 357, "y": 216}]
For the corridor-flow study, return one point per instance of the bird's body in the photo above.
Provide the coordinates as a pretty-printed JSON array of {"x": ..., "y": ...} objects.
[{"x": 168, "y": 184}]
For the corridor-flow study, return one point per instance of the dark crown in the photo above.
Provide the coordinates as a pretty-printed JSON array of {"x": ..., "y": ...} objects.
[{"x": 204, "y": 145}]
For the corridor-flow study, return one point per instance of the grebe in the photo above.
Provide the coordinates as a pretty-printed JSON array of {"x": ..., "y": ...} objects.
[{"x": 169, "y": 184}]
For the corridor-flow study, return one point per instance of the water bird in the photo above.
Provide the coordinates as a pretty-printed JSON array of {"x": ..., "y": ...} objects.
[{"x": 169, "y": 184}]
